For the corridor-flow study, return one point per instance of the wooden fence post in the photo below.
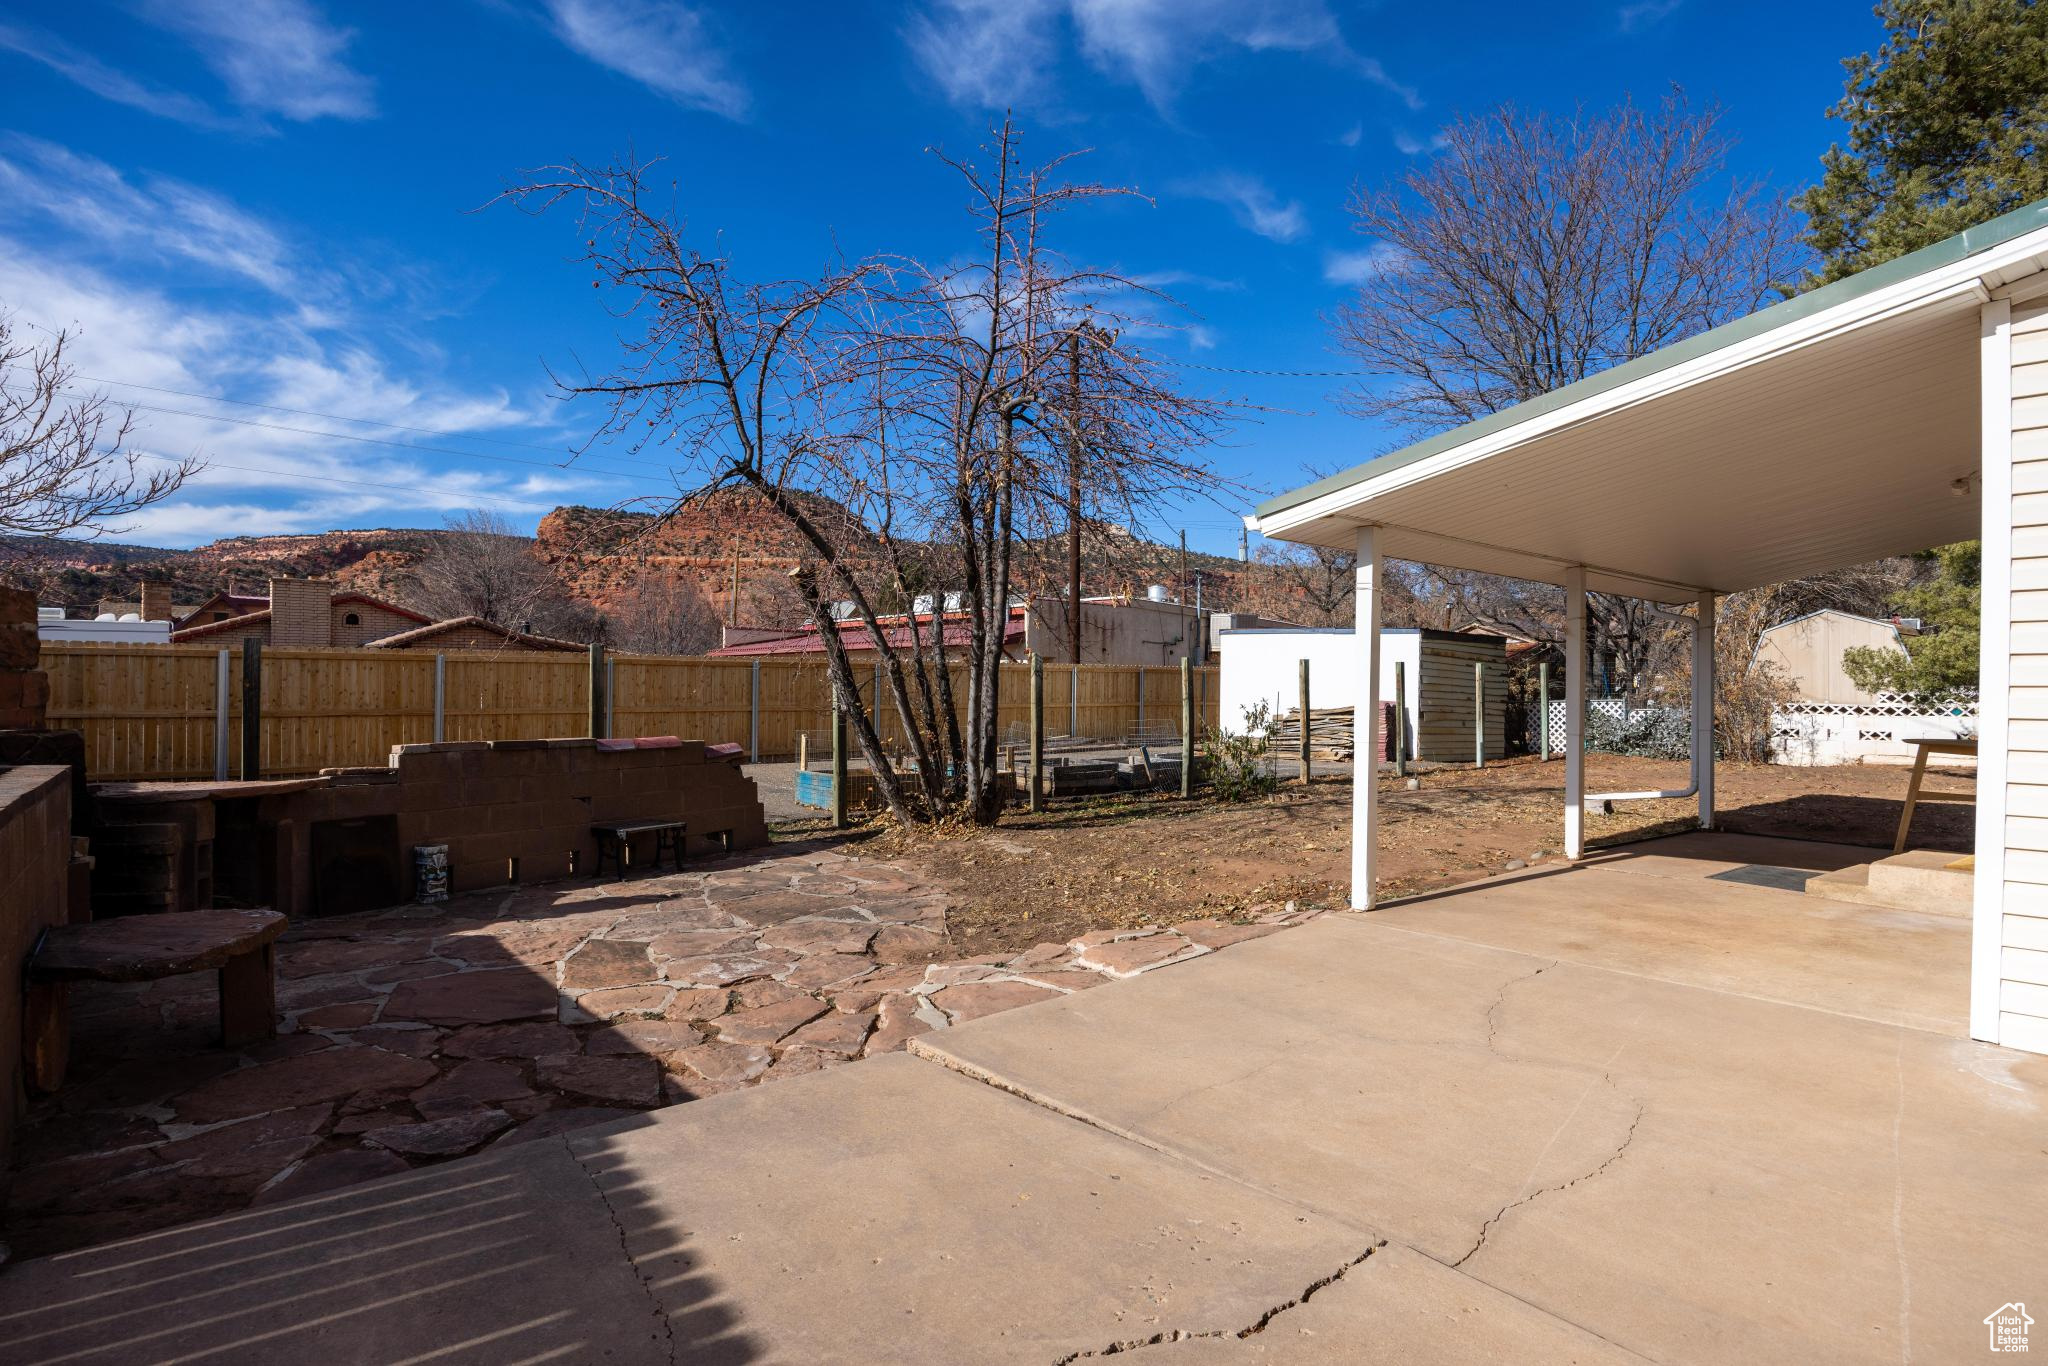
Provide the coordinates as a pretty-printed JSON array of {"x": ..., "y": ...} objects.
[
  {"x": 440, "y": 698},
  {"x": 221, "y": 742},
  {"x": 1187, "y": 726},
  {"x": 1037, "y": 798},
  {"x": 1304, "y": 724},
  {"x": 754, "y": 716},
  {"x": 252, "y": 710},
  {"x": 1478, "y": 714},
  {"x": 597, "y": 692},
  {"x": 1141, "y": 704},
  {"x": 1400, "y": 725},
  {"x": 838, "y": 766}
]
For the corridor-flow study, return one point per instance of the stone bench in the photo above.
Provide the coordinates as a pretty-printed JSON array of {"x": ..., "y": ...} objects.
[{"x": 143, "y": 948}]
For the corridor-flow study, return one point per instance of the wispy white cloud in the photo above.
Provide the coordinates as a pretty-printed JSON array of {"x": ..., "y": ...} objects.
[
  {"x": 275, "y": 56},
  {"x": 994, "y": 52},
  {"x": 269, "y": 477},
  {"x": 1252, "y": 203},
  {"x": 1356, "y": 267},
  {"x": 664, "y": 45},
  {"x": 177, "y": 289},
  {"x": 153, "y": 219},
  {"x": 90, "y": 73},
  {"x": 1408, "y": 144},
  {"x": 1351, "y": 136},
  {"x": 1645, "y": 14}
]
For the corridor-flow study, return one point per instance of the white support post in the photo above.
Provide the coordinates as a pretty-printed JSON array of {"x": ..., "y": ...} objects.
[
  {"x": 1703, "y": 709},
  {"x": 222, "y": 692},
  {"x": 1994, "y": 670},
  {"x": 1575, "y": 712},
  {"x": 1365, "y": 763}
]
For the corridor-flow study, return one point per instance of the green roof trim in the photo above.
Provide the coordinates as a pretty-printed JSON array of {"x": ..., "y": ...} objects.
[{"x": 1947, "y": 252}]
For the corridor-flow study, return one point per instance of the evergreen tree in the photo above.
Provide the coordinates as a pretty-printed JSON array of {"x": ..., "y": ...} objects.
[
  {"x": 1942, "y": 662},
  {"x": 1945, "y": 130}
]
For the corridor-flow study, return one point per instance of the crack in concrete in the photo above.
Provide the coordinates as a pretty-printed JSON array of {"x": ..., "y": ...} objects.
[
  {"x": 1501, "y": 999},
  {"x": 1487, "y": 1228},
  {"x": 668, "y": 1332},
  {"x": 1256, "y": 1327}
]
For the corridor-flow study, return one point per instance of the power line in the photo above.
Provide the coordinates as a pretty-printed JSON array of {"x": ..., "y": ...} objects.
[{"x": 1269, "y": 374}]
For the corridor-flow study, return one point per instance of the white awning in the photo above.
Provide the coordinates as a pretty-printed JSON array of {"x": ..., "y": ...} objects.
[{"x": 1832, "y": 430}]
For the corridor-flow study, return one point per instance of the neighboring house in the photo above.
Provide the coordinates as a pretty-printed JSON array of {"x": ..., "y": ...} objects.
[
  {"x": 305, "y": 612},
  {"x": 1114, "y": 630},
  {"x": 1809, "y": 650},
  {"x": 472, "y": 633},
  {"x": 860, "y": 645}
]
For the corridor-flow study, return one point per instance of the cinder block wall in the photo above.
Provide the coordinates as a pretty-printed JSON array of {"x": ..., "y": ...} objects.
[
  {"x": 536, "y": 800},
  {"x": 35, "y": 862},
  {"x": 301, "y": 612}
]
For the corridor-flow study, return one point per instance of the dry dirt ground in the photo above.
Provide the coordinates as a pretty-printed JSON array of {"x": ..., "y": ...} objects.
[{"x": 1143, "y": 859}]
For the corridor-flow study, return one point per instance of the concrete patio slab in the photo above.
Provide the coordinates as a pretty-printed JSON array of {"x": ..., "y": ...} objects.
[
  {"x": 1671, "y": 909},
  {"x": 1690, "y": 1173},
  {"x": 892, "y": 1212}
]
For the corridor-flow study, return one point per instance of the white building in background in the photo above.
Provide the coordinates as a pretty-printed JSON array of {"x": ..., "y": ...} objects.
[
  {"x": 1809, "y": 650},
  {"x": 126, "y": 629}
]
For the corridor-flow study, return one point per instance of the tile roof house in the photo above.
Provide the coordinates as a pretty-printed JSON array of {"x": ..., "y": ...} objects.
[
  {"x": 305, "y": 612},
  {"x": 313, "y": 613},
  {"x": 471, "y": 633}
]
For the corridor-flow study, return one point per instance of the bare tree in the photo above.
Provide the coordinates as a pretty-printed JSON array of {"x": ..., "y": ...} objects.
[
  {"x": 664, "y": 614},
  {"x": 65, "y": 465},
  {"x": 908, "y": 423},
  {"x": 481, "y": 566},
  {"x": 1534, "y": 251}
]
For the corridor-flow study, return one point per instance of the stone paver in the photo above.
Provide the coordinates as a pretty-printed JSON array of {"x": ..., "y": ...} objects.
[{"x": 424, "y": 1031}]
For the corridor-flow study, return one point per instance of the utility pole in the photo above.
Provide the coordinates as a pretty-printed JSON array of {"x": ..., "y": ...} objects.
[
  {"x": 732, "y": 602},
  {"x": 1244, "y": 545},
  {"x": 1074, "y": 496},
  {"x": 1183, "y": 564}
]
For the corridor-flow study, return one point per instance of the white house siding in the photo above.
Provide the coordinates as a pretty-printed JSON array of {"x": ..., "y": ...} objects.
[{"x": 2022, "y": 1000}]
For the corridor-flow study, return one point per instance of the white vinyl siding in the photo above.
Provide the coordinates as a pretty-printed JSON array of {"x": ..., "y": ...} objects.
[{"x": 2023, "y": 924}]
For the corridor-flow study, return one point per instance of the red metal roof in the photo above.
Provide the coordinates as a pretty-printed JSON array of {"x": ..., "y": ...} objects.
[{"x": 895, "y": 629}]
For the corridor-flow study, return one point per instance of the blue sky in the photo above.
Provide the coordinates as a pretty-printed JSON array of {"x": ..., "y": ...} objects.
[{"x": 272, "y": 201}]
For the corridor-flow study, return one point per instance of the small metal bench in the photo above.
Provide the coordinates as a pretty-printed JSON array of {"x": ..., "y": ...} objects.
[
  {"x": 143, "y": 948},
  {"x": 616, "y": 839}
]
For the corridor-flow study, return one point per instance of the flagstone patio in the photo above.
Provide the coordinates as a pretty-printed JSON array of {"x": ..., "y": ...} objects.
[{"x": 415, "y": 1035}]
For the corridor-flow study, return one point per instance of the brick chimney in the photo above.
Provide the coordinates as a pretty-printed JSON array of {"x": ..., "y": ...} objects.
[
  {"x": 301, "y": 612},
  {"x": 156, "y": 600}
]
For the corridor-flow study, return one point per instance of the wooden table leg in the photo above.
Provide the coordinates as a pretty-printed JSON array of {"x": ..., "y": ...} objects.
[
  {"x": 248, "y": 998},
  {"x": 1912, "y": 797},
  {"x": 45, "y": 1036}
]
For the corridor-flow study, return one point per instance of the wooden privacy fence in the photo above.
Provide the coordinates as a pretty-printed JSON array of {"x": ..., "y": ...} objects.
[{"x": 175, "y": 711}]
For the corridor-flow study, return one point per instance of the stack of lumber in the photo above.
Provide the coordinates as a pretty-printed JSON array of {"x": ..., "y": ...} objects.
[{"x": 1329, "y": 732}]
